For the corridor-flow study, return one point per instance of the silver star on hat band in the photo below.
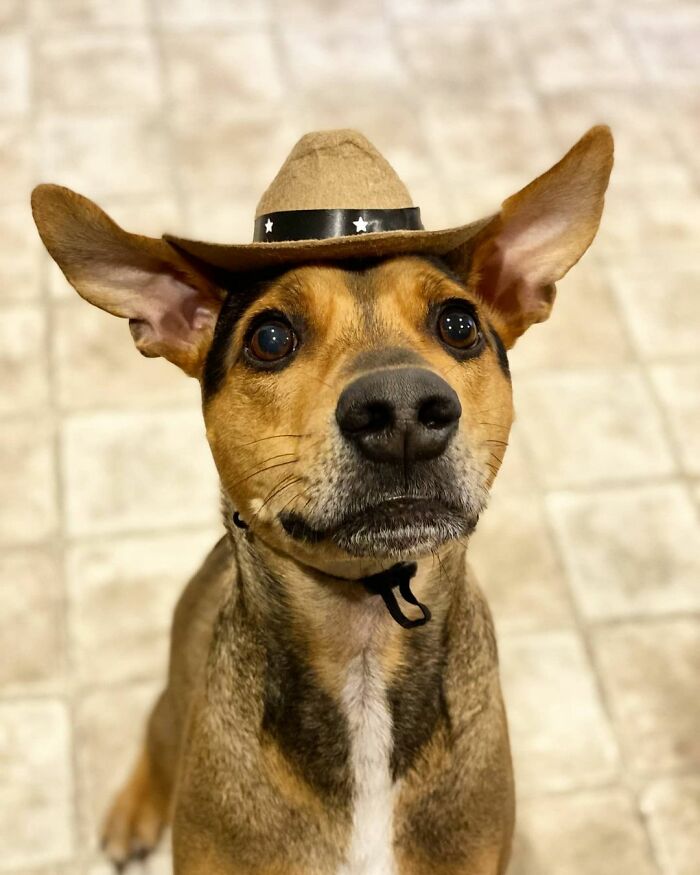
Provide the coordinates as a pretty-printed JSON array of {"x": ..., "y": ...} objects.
[
  {"x": 360, "y": 225},
  {"x": 268, "y": 226}
]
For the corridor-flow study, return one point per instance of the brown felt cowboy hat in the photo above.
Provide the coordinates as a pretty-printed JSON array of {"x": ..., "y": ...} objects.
[{"x": 334, "y": 197}]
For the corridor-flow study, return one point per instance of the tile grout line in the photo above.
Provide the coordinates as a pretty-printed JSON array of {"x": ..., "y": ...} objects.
[{"x": 55, "y": 420}]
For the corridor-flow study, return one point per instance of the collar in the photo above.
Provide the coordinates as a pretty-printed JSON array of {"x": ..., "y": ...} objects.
[{"x": 383, "y": 584}]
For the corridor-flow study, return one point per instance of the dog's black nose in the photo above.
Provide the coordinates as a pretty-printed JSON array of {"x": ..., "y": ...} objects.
[{"x": 399, "y": 414}]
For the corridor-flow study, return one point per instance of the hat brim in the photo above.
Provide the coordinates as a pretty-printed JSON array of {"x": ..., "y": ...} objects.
[{"x": 255, "y": 256}]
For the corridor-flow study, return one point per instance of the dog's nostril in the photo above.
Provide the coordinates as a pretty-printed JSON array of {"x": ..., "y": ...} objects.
[
  {"x": 439, "y": 411},
  {"x": 367, "y": 418}
]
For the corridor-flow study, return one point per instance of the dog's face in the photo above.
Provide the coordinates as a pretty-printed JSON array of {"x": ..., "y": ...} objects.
[
  {"x": 359, "y": 409},
  {"x": 353, "y": 410}
]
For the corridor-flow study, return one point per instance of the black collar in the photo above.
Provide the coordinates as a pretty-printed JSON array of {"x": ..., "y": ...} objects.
[{"x": 383, "y": 583}]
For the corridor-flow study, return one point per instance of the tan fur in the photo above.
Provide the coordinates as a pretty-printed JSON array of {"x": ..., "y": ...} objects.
[{"x": 247, "y": 750}]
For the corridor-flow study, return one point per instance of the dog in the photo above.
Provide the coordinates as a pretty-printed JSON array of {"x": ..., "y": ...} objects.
[{"x": 333, "y": 701}]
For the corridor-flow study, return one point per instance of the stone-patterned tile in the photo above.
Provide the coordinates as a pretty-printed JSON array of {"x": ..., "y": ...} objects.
[
  {"x": 97, "y": 365},
  {"x": 644, "y": 152},
  {"x": 23, "y": 372},
  {"x": 511, "y": 144},
  {"x": 476, "y": 200},
  {"x": 590, "y": 833},
  {"x": 678, "y": 386},
  {"x": 16, "y": 157},
  {"x": 559, "y": 733},
  {"x": 630, "y": 551},
  {"x": 31, "y": 621},
  {"x": 640, "y": 229},
  {"x": 448, "y": 10},
  {"x": 517, "y": 566},
  {"x": 134, "y": 471},
  {"x": 591, "y": 426},
  {"x": 14, "y": 74},
  {"x": 20, "y": 257},
  {"x": 324, "y": 57},
  {"x": 28, "y": 506},
  {"x": 104, "y": 155},
  {"x": 557, "y": 7},
  {"x": 227, "y": 151},
  {"x": 69, "y": 14},
  {"x": 35, "y": 784},
  {"x": 122, "y": 593},
  {"x": 109, "y": 727},
  {"x": 295, "y": 12},
  {"x": 584, "y": 329},
  {"x": 672, "y": 811},
  {"x": 515, "y": 476},
  {"x": 221, "y": 217},
  {"x": 476, "y": 57},
  {"x": 667, "y": 40},
  {"x": 650, "y": 672},
  {"x": 209, "y": 13},
  {"x": 680, "y": 108},
  {"x": 123, "y": 74},
  {"x": 659, "y": 298},
  {"x": 12, "y": 13},
  {"x": 584, "y": 51},
  {"x": 237, "y": 70}
]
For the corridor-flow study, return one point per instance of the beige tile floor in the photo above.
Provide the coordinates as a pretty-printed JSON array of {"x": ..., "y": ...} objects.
[{"x": 175, "y": 114}]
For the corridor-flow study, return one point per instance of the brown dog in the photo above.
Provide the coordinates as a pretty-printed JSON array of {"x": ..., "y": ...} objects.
[{"x": 357, "y": 401}]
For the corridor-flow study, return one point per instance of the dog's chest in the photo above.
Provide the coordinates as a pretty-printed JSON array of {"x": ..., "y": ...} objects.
[{"x": 364, "y": 702}]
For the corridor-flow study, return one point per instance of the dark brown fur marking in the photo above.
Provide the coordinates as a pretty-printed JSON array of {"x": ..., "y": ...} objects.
[{"x": 298, "y": 714}]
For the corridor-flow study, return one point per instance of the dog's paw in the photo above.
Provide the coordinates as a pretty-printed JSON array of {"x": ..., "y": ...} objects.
[{"x": 137, "y": 818}]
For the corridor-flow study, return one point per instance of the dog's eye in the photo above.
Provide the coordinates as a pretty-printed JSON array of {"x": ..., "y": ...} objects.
[
  {"x": 457, "y": 327},
  {"x": 272, "y": 340}
]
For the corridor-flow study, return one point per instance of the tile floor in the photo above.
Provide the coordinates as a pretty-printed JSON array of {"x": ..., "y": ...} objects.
[{"x": 174, "y": 114}]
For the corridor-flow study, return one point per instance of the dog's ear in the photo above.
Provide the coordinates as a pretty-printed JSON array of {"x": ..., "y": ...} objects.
[
  {"x": 171, "y": 308},
  {"x": 539, "y": 234}
]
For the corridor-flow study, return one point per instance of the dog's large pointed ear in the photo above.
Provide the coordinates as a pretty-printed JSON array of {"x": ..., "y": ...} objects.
[
  {"x": 539, "y": 234},
  {"x": 171, "y": 308}
]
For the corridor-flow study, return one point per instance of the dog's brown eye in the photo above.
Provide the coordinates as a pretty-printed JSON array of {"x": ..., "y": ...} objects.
[
  {"x": 457, "y": 328},
  {"x": 272, "y": 341}
]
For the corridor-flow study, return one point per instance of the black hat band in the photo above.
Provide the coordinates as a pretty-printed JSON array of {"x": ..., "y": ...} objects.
[{"x": 289, "y": 225}]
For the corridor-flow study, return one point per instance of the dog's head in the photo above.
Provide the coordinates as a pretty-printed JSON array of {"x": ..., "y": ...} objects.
[{"x": 353, "y": 409}]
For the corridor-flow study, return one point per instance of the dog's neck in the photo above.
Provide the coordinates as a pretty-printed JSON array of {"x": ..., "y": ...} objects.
[{"x": 336, "y": 616}]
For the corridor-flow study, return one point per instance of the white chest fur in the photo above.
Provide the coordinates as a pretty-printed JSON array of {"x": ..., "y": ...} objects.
[{"x": 365, "y": 704}]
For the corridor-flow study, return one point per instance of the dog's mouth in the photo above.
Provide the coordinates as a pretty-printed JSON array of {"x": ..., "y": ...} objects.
[{"x": 399, "y": 526}]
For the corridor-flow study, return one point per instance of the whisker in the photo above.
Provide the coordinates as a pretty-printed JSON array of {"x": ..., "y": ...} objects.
[
  {"x": 491, "y": 409},
  {"x": 495, "y": 425},
  {"x": 269, "y": 468},
  {"x": 276, "y": 491},
  {"x": 265, "y": 461},
  {"x": 269, "y": 438}
]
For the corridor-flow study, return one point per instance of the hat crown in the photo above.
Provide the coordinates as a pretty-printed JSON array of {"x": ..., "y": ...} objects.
[{"x": 329, "y": 170}]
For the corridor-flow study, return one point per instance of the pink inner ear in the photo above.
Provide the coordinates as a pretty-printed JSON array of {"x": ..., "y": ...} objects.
[{"x": 170, "y": 318}]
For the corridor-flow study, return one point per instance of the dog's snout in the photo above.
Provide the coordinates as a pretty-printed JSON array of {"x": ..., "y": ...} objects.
[{"x": 399, "y": 415}]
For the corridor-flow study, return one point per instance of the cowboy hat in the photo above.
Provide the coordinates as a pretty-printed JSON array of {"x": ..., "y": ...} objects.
[{"x": 334, "y": 197}]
